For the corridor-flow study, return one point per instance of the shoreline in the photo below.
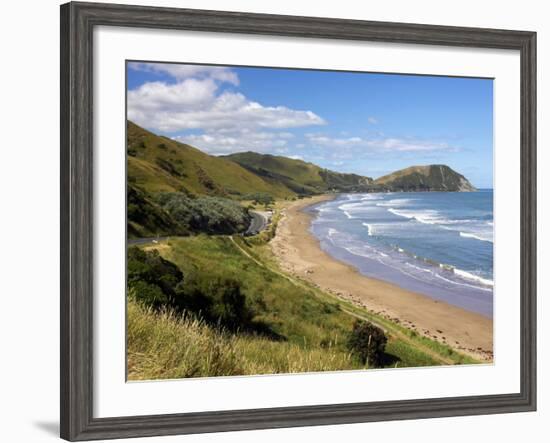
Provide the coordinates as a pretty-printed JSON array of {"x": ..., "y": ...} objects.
[{"x": 299, "y": 252}]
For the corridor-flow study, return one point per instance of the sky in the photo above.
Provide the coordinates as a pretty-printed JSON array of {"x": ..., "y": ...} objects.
[{"x": 366, "y": 123}]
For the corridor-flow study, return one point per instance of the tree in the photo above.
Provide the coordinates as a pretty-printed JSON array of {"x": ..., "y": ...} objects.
[{"x": 368, "y": 342}]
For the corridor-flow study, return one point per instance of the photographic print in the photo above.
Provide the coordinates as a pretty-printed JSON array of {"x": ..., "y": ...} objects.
[{"x": 291, "y": 220}]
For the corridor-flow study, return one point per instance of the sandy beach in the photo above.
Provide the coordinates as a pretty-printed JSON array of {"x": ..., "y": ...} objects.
[{"x": 299, "y": 253}]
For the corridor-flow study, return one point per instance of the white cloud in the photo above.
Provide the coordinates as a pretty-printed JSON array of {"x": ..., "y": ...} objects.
[
  {"x": 387, "y": 144},
  {"x": 222, "y": 142},
  {"x": 404, "y": 145},
  {"x": 182, "y": 72},
  {"x": 372, "y": 120},
  {"x": 183, "y": 96},
  {"x": 197, "y": 104},
  {"x": 322, "y": 140}
]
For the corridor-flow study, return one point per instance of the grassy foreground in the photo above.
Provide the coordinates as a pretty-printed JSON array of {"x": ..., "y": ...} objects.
[
  {"x": 165, "y": 345},
  {"x": 308, "y": 328}
]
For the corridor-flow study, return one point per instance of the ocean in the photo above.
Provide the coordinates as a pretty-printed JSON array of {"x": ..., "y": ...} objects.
[{"x": 439, "y": 244}]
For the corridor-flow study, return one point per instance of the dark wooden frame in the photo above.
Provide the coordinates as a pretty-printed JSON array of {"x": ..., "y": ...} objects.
[{"x": 77, "y": 23}]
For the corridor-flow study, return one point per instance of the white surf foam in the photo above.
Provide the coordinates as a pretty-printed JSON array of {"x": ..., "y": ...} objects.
[
  {"x": 473, "y": 277},
  {"x": 479, "y": 237},
  {"x": 369, "y": 228}
]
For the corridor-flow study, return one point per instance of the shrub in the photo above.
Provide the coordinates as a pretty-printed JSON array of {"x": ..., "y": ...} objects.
[
  {"x": 219, "y": 300},
  {"x": 368, "y": 342},
  {"x": 146, "y": 218},
  {"x": 213, "y": 215},
  {"x": 158, "y": 283},
  {"x": 152, "y": 280},
  {"x": 148, "y": 294},
  {"x": 262, "y": 198}
]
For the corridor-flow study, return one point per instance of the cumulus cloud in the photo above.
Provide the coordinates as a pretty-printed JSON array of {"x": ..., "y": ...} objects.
[
  {"x": 182, "y": 72},
  {"x": 198, "y": 103},
  {"x": 372, "y": 120}
]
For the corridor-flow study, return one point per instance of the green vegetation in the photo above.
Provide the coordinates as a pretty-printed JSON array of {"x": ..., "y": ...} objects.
[
  {"x": 152, "y": 280},
  {"x": 184, "y": 177},
  {"x": 159, "y": 164},
  {"x": 288, "y": 325},
  {"x": 165, "y": 344},
  {"x": 260, "y": 198},
  {"x": 147, "y": 219},
  {"x": 206, "y": 305},
  {"x": 368, "y": 342},
  {"x": 157, "y": 283},
  {"x": 212, "y": 215},
  {"x": 299, "y": 176},
  {"x": 424, "y": 178}
]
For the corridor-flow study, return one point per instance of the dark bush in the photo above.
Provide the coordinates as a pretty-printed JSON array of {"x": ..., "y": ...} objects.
[
  {"x": 157, "y": 282},
  {"x": 368, "y": 342},
  {"x": 148, "y": 219},
  {"x": 218, "y": 300},
  {"x": 148, "y": 294},
  {"x": 151, "y": 279}
]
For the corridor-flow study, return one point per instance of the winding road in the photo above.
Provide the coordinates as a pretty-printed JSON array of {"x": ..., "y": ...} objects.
[{"x": 259, "y": 222}]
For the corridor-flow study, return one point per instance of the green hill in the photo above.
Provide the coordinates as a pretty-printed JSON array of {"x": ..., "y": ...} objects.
[
  {"x": 299, "y": 176},
  {"x": 425, "y": 178},
  {"x": 160, "y": 164},
  {"x": 146, "y": 218}
]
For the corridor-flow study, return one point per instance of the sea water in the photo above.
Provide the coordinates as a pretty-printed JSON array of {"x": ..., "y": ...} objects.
[{"x": 439, "y": 244}]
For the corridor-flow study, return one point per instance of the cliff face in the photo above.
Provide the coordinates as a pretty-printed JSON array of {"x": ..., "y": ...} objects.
[{"x": 425, "y": 178}]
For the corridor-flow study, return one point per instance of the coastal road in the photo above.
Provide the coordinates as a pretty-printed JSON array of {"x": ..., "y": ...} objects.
[
  {"x": 142, "y": 241},
  {"x": 259, "y": 222}
]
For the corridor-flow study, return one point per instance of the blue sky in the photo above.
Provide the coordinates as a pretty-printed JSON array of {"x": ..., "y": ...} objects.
[{"x": 366, "y": 123}]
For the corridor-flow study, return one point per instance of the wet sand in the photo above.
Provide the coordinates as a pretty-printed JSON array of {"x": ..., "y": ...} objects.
[{"x": 299, "y": 253}]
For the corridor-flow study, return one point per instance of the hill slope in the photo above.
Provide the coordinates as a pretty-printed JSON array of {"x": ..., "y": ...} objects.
[
  {"x": 298, "y": 175},
  {"x": 147, "y": 219},
  {"x": 425, "y": 178},
  {"x": 160, "y": 164}
]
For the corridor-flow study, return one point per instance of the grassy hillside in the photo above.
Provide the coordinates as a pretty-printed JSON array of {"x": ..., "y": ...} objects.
[
  {"x": 159, "y": 164},
  {"x": 422, "y": 178},
  {"x": 165, "y": 345},
  {"x": 297, "y": 175},
  {"x": 308, "y": 328},
  {"x": 146, "y": 218}
]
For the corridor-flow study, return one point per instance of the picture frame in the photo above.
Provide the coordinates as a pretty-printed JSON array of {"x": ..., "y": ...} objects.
[{"x": 78, "y": 21}]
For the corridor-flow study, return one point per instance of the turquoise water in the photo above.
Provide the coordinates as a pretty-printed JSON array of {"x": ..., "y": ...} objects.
[{"x": 437, "y": 243}]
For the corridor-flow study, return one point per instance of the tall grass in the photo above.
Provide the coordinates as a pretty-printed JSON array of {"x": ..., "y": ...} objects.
[
  {"x": 164, "y": 345},
  {"x": 308, "y": 327}
]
